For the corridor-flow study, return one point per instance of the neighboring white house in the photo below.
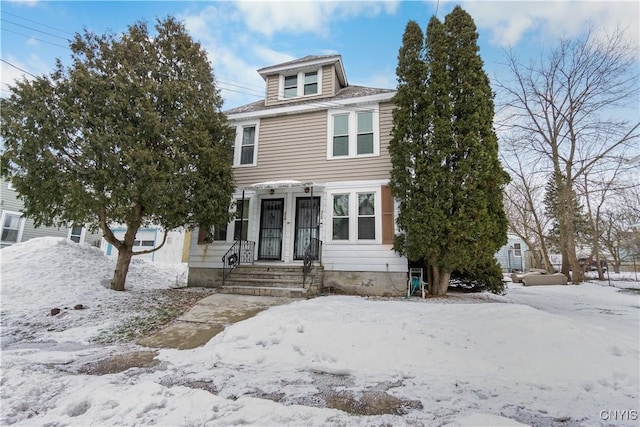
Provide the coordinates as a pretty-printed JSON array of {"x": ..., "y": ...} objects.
[
  {"x": 15, "y": 228},
  {"x": 149, "y": 238},
  {"x": 512, "y": 256}
]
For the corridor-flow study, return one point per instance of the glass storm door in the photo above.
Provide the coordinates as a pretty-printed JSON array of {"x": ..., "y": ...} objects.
[
  {"x": 270, "y": 244},
  {"x": 307, "y": 213}
]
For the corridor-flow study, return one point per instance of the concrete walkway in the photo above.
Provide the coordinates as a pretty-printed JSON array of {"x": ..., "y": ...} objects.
[{"x": 208, "y": 318}]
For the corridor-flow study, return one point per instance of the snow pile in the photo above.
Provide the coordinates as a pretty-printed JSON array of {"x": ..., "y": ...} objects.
[
  {"x": 55, "y": 273},
  {"x": 548, "y": 355}
]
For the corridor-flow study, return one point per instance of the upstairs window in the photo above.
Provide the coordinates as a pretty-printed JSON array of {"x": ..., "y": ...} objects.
[
  {"x": 353, "y": 133},
  {"x": 246, "y": 144},
  {"x": 291, "y": 86},
  {"x": 365, "y": 133},
  {"x": 303, "y": 83},
  {"x": 341, "y": 135},
  {"x": 311, "y": 83}
]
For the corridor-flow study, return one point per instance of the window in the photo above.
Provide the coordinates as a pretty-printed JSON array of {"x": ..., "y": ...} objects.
[
  {"x": 340, "y": 217},
  {"x": 517, "y": 250},
  {"x": 10, "y": 186},
  {"x": 220, "y": 233},
  {"x": 366, "y": 216},
  {"x": 291, "y": 86},
  {"x": 365, "y": 133},
  {"x": 242, "y": 221},
  {"x": 12, "y": 226},
  {"x": 75, "y": 233},
  {"x": 300, "y": 84},
  {"x": 246, "y": 145},
  {"x": 341, "y": 135},
  {"x": 353, "y": 133},
  {"x": 311, "y": 83},
  {"x": 144, "y": 243}
]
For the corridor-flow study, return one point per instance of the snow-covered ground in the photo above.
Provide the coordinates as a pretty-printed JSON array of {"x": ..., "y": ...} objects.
[{"x": 548, "y": 355}]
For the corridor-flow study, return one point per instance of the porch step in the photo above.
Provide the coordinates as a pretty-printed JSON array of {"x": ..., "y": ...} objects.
[
  {"x": 264, "y": 291},
  {"x": 273, "y": 280}
]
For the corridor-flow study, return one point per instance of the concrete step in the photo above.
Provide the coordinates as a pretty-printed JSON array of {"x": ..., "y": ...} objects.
[
  {"x": 264, "y": 291},
  {"x": 270, "y": 282}
]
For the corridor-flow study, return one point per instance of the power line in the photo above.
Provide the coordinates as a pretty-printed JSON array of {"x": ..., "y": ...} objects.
[
  {"x": 36, "y": 22},
  {"x": 35, "y": 38},
  {"x": 18, "y": 68},
  {"x": 33, "y": 29}
]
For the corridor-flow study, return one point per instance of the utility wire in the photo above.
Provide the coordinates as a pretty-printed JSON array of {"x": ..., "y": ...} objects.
[
  {"x": 35, "y": 38},
  {"x": 36, "y": 22},
  {"x": 34, "y": 29},
  {"x": 18, "y": 68}
]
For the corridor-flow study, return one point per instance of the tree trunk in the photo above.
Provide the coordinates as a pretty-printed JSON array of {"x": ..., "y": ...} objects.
[
  {"x": 122, "y": 268},
  {"x": 440, "y": 281}
]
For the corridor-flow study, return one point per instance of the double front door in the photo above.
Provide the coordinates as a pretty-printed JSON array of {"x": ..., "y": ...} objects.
[{"x": 273, "y": 233}]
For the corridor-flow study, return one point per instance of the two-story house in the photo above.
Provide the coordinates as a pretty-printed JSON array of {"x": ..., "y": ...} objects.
[{"x": 312, "y": 170}]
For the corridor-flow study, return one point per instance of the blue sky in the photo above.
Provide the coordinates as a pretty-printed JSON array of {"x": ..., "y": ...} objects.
[{"x": 241, "y": 37}]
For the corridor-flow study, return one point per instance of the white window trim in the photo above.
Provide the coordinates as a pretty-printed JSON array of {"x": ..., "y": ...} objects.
[
  {"x": 20, "y": 226},
  {"x": 237, "y": 152},
  {"x": 10, "y": 186},
  {"x": 353, "y": 132},
  {"x": 300, "y": 84},
  {"x": 83, "y": 232},
  {"x": 517, "y": 252},
  {"x": 353, "y": 215}
]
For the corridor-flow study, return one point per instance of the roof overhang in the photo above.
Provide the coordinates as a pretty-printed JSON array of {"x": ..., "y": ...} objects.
[{"x": 286, "y": 183}]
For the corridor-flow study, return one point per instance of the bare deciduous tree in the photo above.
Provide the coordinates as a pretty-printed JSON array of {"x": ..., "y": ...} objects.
[{"x": 565, "y": 108}]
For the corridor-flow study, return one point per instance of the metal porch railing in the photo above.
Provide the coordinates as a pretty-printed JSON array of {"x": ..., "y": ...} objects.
[
  {"x": 241, "y": 252},
  {"x": 312, "y": 253}
]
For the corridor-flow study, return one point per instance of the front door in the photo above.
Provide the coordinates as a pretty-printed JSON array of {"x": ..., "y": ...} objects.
[
  {"x": 307, "y": 213},
  {"x": 271, "y": 220}
]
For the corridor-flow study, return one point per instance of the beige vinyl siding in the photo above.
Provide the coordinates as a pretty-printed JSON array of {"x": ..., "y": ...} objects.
[
  {"x": 329, "y": 80},
  {"x": 294, "y": 147},
  {"x": 273, "y": 83}
]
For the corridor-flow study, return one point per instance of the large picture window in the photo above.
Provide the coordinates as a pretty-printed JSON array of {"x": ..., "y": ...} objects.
[
  {"x": 353, "y": 133},
  {"x": 340, "y": 217}
]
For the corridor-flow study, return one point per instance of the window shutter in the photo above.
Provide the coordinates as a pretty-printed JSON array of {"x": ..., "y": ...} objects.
[{"x": 388, "y": 234}]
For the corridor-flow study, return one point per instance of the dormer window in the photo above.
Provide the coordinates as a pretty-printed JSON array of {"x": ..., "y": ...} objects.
[
  {"x": 303, "y": 83},
  {"x": 291, "y": 86},
  {"x": 311, "y": 83}
]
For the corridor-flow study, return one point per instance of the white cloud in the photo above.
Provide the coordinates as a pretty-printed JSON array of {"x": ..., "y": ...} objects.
[
  {"x": 296, "y": 17},
  {"x": 509, "y": 22}
]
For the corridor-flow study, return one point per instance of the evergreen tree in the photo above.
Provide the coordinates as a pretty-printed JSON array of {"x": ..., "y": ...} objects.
[
  {"x": 451, "y": 205},
  {"x": 130, "y": 133}
]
